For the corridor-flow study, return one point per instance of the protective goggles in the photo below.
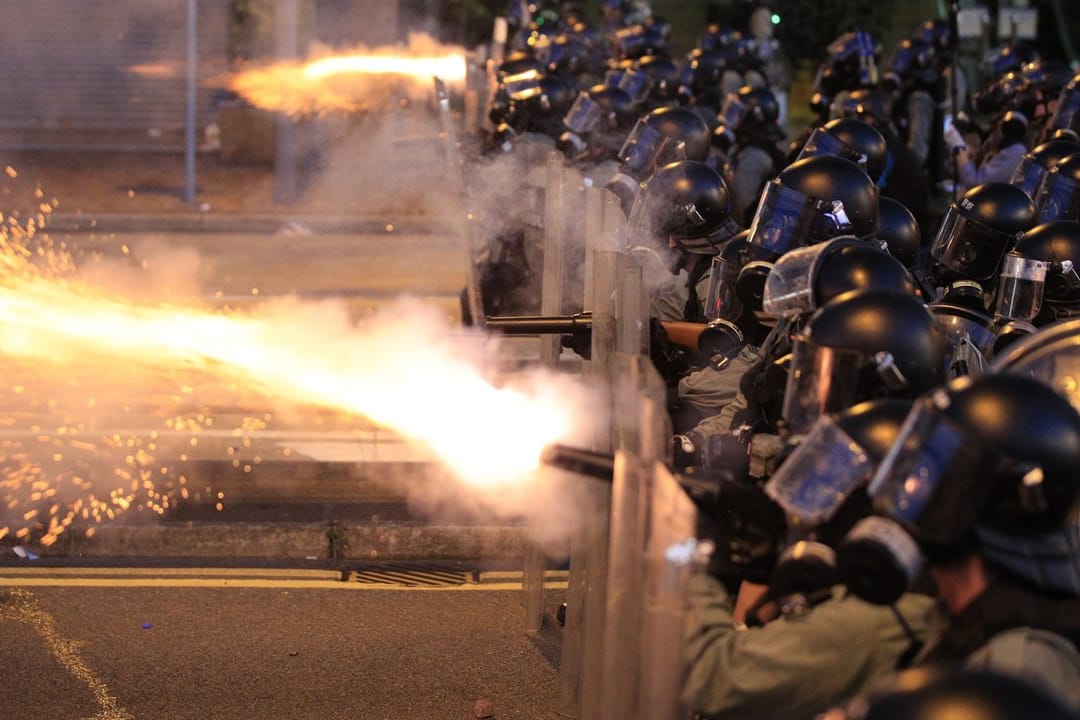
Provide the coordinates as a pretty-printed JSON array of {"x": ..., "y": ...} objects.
[
  {"x": 646, "y": 149},
  {"x": 820, "y": 474},
  {"x": 968, "y": 246},
  {"x": 787, "y": 218}
]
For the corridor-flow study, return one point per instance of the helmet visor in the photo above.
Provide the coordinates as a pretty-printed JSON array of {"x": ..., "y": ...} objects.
[
  {"x": 583, "y": 115},
  {"x": 962, "y": 324},
  {"x": 733, "y": 112},
  {"x": 646, "y": 148},
  {"x": 968, "y": 246},
  {"x": 820, "y": 380},
  {"x": 1067, "y": 113},
  {"x": 789, "y": 287},
  {"x": 636, "y": 84},
  {"x": 819, "y": 475},
  {"x": 786, "y": 218},
  {"x": 1020, "y": 288},
  {"x": 822, "y": 142},
  {"x": 722, "y": 301},
  {"x": 1028, "y": 175},
  {"x": 1057, "y": 198},
  {"x": 933, "y": 477}
]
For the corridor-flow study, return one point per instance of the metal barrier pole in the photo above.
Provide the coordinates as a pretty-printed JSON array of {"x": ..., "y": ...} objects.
[
  {"x": 190, "y": 104},
  {"x": 287, "y": 47}
]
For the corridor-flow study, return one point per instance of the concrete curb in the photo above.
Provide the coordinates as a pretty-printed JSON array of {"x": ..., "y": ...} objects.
[{"x": 296, "y": 542}]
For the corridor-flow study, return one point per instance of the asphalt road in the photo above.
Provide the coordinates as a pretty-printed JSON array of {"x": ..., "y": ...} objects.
[{"x": 206, "y": 644}]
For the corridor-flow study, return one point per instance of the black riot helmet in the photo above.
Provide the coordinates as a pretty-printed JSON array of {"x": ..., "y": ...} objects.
[
  {"x": 749, "y": 109},
  {"x": 707, "y": 75},
  {"x": 537, "y": 101},
  {"x": 998, "y": 451},
  {"x": 980, "y": 227},
  {"x": 858, "y": 346},
  {"x": 663, "y": 136},
  {"x": 936, "y": 33},
  {"x": 1067, "y": 112},
  {"x": 1039, "y": 278},
  {"x": 598, "y": 121},
  {"x": 898, "y": 231},
  {"x": 913, "y": 61},
  {"x": 812, "y": 200},
  {"x": 1058, "y": 197},
  {"x": 519, "y": 62},
  {"x": 851, "y": 63},
  {"x": 660, "y": 137},
  {"x": 1007, "y": 57},
  {"x": 663, "y": 76},
  {"x": 806, "y": 278},
  {"x": 1029, "y": 174},
  {"x": 687, "y": 202},
  {"x": 1011, "y": 91},
  {"x": 852, "y": 139},
  {"x": 638, "y": 40}
]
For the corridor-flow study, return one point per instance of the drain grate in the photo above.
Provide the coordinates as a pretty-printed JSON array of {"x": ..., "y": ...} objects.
[{"x": 411, "y": 576}]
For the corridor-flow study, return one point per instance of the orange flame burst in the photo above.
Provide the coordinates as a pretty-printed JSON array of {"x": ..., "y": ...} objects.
[
  {"x": 404, "y": 370},
  {"x": 357, "y": 80}
]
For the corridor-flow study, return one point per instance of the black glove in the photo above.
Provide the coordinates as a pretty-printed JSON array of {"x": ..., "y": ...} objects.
[
  {"x": 686, "y": 450},
  {"x": 580, "y": 343}
]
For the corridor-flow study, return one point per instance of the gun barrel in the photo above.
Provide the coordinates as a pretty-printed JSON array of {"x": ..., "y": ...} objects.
[
  {"x": 590, "y": 463},
  {"x": 541, "y": 324}
]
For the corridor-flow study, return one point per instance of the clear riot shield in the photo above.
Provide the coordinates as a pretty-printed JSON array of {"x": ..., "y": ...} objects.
[
  {"x": 459, "y": 225},
  {"x": 672, "y": 553},
  {"x": 640, "y": 418},
  {"x": 560, "y": 179},
  {"x": 1052, "y": 354}
]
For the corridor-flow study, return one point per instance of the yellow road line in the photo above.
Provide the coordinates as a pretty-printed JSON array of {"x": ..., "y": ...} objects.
[
  {"x": 281, "y": 584},
  {"x": 314, "y": 573},
  {"x": 21, "y": 606}
]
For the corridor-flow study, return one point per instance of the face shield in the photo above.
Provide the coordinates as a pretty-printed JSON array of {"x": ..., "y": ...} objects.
[
  {"x": 969, "y": 336},
  {"x": 584, "y": 115},
  {"x": 969, "y": 247},
  {"x": 1020, "y": 288},
  {"x": 646, "y": 149},
  {"x": 1067, "y": 112},
  {"x": 1028, "y": 176},
  {"x": 789, "y": 287},
  {"x": 933, "y": 479},
  {"x": 1058, "y": 198},
  {"x": 721, "y": 301},
  {"x": 819, "y": 475},
  {"x": 823, "y": 380},
  {"x": 821, "y": 142},
  {"x": 636, "y": 84},
  {"x": 787, "y": 218},
  {"x": 733, "y": 112}
]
